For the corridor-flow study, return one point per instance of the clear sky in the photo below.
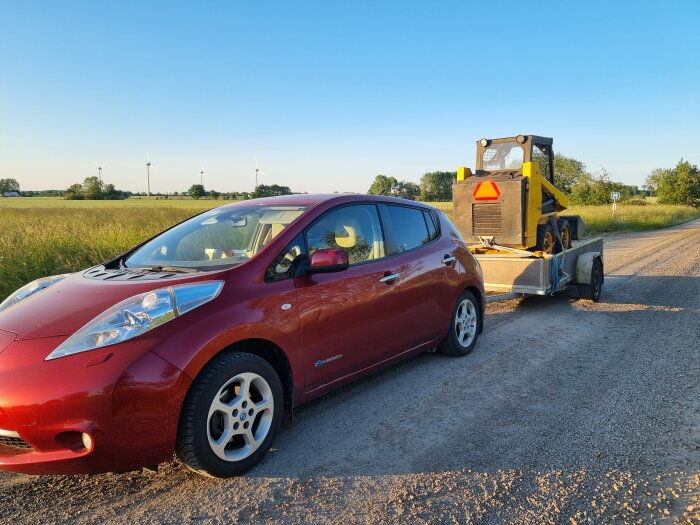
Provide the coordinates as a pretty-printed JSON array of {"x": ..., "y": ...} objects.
[{"x": 326, "y": 95}]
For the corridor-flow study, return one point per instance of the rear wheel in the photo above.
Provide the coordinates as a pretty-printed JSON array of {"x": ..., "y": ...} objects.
[
  {"x": 230, "y": 416},
  {"x": 464, "y": 327},
  {"x": 592, "y": 291}
]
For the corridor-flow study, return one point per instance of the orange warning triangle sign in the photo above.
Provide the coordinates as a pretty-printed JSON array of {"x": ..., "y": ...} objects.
[{"x": 486, "y": 191}]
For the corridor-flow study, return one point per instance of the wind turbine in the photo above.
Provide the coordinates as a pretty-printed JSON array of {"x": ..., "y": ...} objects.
[
  {"x": 99, "y": 170},
  {"x": 148, "y": 172},
  {"x": 201, "y": 175},
  {"x": 257, "y": 169}
]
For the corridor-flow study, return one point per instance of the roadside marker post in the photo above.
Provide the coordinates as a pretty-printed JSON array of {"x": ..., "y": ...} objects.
[{"x": 615, "y": 196}]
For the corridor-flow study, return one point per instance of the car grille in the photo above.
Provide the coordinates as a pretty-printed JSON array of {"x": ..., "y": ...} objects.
[
  {"x": 486, "y": 219},
  {"x": 10, "y": 445}
]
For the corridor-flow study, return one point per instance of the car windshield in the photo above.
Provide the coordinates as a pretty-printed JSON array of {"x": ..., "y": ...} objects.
[
  {"x": 219, "y": 238},
  {"x": 503, "y": 156}
]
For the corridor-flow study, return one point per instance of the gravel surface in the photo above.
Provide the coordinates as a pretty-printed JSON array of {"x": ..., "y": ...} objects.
[{"x": 566, "y": 412}]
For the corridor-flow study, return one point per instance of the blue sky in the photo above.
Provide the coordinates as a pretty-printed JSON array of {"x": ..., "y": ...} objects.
[{"x": 328, "y": 94}]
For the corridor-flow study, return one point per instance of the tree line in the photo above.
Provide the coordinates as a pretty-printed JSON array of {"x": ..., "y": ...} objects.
[
  {"x": 8, "y": 186},
  {"x": 678, "y": 185},
  {"x": 93, "y": 188}
]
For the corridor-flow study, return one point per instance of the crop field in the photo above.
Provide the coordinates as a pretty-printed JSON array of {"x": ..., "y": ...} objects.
[{"x": 47, "y": 236}]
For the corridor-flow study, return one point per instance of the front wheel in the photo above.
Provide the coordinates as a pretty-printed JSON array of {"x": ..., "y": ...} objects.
[
  {"x": 464, "y": 327},
  {"x": 230, "y": 416}
]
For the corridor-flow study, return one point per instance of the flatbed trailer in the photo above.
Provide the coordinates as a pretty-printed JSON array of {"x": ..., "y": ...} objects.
[{"x": 510, "y": 272}]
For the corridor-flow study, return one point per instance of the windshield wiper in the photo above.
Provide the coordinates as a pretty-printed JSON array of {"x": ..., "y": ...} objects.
[{"x": 172, "y": 269}]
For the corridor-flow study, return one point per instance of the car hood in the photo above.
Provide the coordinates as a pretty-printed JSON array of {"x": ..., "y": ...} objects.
[{"x": 65, "y": 307}]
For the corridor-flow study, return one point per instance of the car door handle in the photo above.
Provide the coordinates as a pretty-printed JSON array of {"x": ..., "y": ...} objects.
[
  {"x": 448, "y": 260},
  {"x": 390, "y": 278}
]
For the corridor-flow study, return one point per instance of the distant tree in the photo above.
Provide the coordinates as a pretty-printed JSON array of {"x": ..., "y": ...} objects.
[
  {"x": 7, "y": 185},
  {"x": 263, "y": 190},
  {"x": 74, "y": 192},
  {"x": 680, "y": 185},
  {"x": 437, "y": 185},
  {"x": 92, "y": 188},
  {"x": 407, "y": 190},
  {"x": 196, "y": 191},
  {"x": 383, "y": 185},
  {"x": 214, "y": 195},
  {"x": 567, "y": 172}
]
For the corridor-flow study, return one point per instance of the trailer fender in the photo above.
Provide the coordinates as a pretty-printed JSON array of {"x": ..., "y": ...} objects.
[{"x": 584, "y": 266}]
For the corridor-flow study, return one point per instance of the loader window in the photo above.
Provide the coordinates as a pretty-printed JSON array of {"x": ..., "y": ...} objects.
[
  {"x": 541, "y": 153},
  {"x": 503, "y": 156}
]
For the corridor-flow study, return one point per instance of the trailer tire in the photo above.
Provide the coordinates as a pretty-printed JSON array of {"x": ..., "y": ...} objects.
[
  {"x": 591, "y": 291},
  {"x": 464, "y": 327}
]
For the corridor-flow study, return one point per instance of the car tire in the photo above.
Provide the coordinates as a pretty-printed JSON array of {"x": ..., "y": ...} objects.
[
  {"x": 230, "y": 416},
  {"x": 592, "y": 291},
  {"x": 465, "y": 324}
]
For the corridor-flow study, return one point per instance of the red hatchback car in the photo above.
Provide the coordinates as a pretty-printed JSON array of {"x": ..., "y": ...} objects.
[{"x": 204, "y": 338}]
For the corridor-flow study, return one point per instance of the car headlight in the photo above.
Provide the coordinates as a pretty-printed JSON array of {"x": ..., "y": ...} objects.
[
  {"x": 137, "y": 315},
  {"x": 30, "y": 289}
]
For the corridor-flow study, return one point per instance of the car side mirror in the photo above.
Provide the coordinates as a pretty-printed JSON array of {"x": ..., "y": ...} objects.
[{"x": 328, "y": 261}]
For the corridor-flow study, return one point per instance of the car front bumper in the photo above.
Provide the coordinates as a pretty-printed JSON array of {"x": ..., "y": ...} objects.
[{"x": 112, "y": 409}]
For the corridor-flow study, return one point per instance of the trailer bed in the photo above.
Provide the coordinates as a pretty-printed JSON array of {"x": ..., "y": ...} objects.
[{"x": 518, "y": 273}]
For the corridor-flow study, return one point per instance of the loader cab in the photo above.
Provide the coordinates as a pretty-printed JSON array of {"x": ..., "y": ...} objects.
[{"x": 507, "y": 155}]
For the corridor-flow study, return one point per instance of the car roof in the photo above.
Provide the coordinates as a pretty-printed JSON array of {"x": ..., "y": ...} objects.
[{"x": 306, "y": 199}]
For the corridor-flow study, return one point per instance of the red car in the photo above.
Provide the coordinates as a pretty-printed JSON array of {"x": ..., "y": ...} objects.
[{"x": 204, "y": 338}]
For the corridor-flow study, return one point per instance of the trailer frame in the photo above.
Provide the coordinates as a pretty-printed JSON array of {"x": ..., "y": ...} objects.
[{"x": 512, "y": 272}]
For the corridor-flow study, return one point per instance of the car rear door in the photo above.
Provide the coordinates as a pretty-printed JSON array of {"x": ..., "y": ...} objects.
[
  {"x": 349, "y": 319},
  {"x": 429, "y": 273}
]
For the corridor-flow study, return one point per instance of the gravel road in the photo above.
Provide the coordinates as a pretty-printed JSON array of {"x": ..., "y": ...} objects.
[{"x": 566, "y": 412}]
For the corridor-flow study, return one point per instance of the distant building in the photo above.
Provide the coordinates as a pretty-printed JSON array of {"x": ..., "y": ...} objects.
[{"x": 11, "y": 194}]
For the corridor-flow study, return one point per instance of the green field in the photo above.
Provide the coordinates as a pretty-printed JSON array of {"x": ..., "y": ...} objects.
[
  {"x": 47, "y": 236},
  {"x": 134, "y": 202}
]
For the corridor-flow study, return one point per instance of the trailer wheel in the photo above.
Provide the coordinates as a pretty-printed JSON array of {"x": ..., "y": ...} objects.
[
  {"x": 464, "y": 327},
  {"x": 545, "y": 238},
  {"x": 591, "y": 291}
]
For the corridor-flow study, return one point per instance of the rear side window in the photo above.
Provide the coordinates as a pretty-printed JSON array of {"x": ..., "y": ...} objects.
[
  {"x": 432, "y": 230},
  {"x": 408, "y": 227}
]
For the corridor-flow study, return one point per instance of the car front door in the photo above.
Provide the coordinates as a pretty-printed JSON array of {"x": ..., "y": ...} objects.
[{"x": 349, "y": 319}]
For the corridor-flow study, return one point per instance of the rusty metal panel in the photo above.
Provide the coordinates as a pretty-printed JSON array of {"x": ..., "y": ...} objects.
[{"x": 502, "y": 218}]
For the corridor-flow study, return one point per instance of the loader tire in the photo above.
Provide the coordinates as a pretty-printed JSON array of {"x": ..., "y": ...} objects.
[{"x": 546, "y": 240}]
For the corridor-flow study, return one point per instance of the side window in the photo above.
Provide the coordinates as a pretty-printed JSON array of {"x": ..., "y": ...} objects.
[
  {"x": 283, "y": 265},
  {"x": 540, "y": 154},
  {"x": 408, "y": 227},
  {"x": 355, "y": 229},
  {"x": 432, "y": 230}
]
